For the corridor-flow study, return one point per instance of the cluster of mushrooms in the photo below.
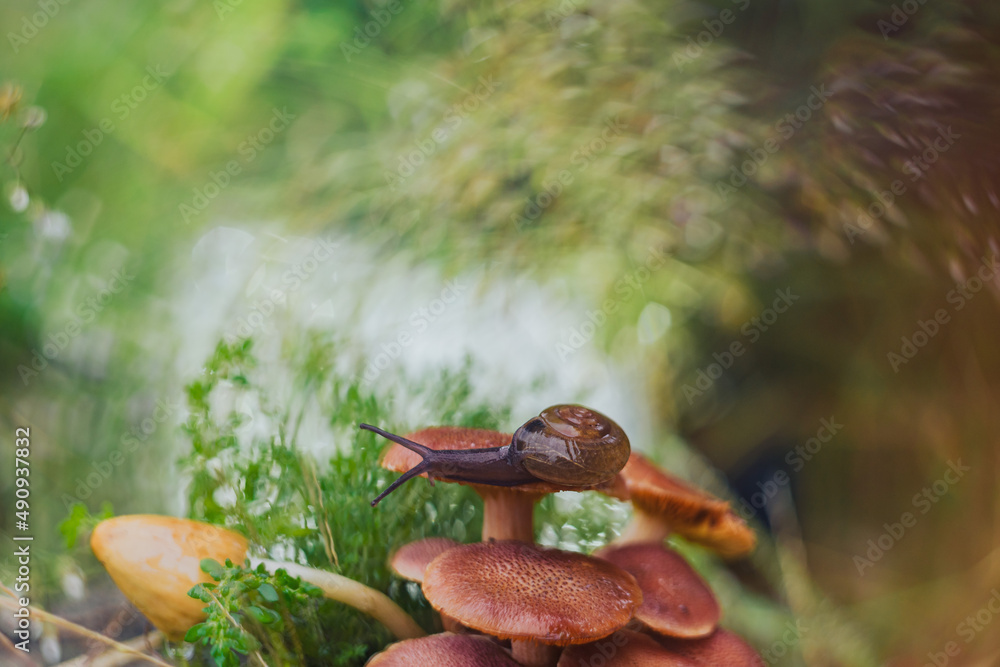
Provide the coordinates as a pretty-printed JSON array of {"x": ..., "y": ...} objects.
[{"x": 505, "y": 600}]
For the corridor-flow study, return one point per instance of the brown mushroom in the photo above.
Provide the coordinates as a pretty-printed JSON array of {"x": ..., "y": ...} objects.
[
  {"x": 722, "y": 648},
  {"x": 508, "y": 511},
  {"x": 538, "y": 598},
  {"x": 156, "y": 560},
  {"x": 444, "y": 650},
  {"x": 676, "y": 601},
  {"x": 663, "y": 503},
  {"x": 625, "y": 648},
  {"x": 411, "y": 560}
]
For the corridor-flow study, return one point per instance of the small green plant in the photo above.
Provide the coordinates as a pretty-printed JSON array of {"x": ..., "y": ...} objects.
[{"x": 248, "y": 608}]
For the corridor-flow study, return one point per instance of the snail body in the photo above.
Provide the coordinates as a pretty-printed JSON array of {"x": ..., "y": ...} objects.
[{"x": 566, "y": 445}]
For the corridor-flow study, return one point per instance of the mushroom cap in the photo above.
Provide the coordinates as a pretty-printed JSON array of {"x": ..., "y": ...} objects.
[
  {"x": 625, "y": 648},
  {"x": 722, "y": 648},
  {"x": 400, "y": 459},
  {"x": 411, "y": 560},
  {"x": 156, "y": 560},
  {"x": 514, "y": 590},
  {"x": 676, "y": 601},
  {"x": 444, "y": 650},
  {"x": 692, "y": 513}
]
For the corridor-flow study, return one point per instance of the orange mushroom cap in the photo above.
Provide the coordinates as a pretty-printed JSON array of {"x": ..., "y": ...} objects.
[
  {"x": 411, "y": 560},
  {"x": 444, "y": 650},
  {"x": 519, "y": 591},
  {"x": 692, "y": 513},
  {"x": 722, "y": 648},
  {"x": 625, "y": 648},
  {"x": 676, "y": 601},
  {"x": 156, "y": 560}
]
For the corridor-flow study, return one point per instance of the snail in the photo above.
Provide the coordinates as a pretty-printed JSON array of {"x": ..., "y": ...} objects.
[{"x": 566, "y": 445}]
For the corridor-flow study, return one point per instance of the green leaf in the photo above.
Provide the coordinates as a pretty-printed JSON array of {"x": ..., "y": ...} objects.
[
  {"x": 263, "y": 615},
  {"x": 195, "y": 632},
  {"x": 212, "y": 568},
  {"x": 268, "y": 592}
]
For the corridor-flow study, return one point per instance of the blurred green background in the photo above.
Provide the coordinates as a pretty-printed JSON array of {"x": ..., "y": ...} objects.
[{"x": 629, "y": 187}]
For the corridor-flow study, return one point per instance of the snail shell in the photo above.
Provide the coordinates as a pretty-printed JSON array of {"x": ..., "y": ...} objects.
[{"x": 570, "y": 445}]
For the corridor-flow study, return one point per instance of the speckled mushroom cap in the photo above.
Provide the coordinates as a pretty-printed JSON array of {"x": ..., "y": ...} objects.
[
  {"x": 692, "y": 513},
  {"x": 722, "y": 648},
  {"x": 411, "y": 560},
  {"x": 625, "y": 648},
  {"x": 676, "y": 601},
  {"x": 400, "y": 459},
  {"x": 156, "y": 560},
  {"x": 444, "y": 650},
  {"x": 513, "y": 590}
]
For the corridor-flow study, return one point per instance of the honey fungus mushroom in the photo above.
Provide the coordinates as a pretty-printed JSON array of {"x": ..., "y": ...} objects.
[
  {"x": 156, "y": 560},
  {"x": 663, "y": 504},
  {"x": 411, "y": 560},
  {"x": 676, "y": 601},
  {"x": 721, "y": 648},
  {"x": 626, "y": 648},
  {"x": 564, "y": 448},
  {"x": 444, "y": 650},
  {"x": 538, "y": 598}
]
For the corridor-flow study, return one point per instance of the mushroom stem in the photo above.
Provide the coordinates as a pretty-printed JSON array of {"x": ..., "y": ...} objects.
[
  {"x": 508, "y": 515},
  {"x": 533, "y": 654},
  {"x": 643, "y": 527},
  {"x": 451, "y": 625},
  {"x": 364, "y": 598}
]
